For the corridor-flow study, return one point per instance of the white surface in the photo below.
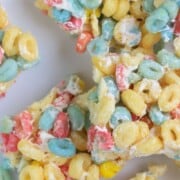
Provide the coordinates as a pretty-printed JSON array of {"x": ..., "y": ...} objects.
[{"x": 58, "y": 59}]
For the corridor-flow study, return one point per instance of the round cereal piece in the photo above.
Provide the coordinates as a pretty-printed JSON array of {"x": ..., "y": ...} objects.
[
  {"x": 8, "y": 70},
  {"x": 126, "y": 32},
  {"x": 10, "y": 41},
  {"x": 176, "y": 44},
  {"x": 149, "y": 146},
  {"x": 149, "y": 89},
  {"x": 52, "y": 171},
  {"x": 79, "y": 138},
  {"x": 151, "y": 70},
  {"x": 134, "y": 102},
  {"x": 4, "y": 18},
  {"x": 126, "y": 134},
  {"x": 30, "y": 150},
  {"x": 62, "y": 147},
  {"x": 169, "y": 98},
  {"x": 109, "y": 7},
  {"x": 148, "y": 5},
  {"x": 79, "y": 165},
  {"x": 171, "y": 77},
  {"x": 122, "y": 9},
  {"x": 31, "y": 172},
  {"x": 157, "y": 20},
  {"x": 109, "y": 169},
  {"x": 93, "y": 172},
  {"x": 170, "y": 133},
  {"x": 28, "y": 48}
]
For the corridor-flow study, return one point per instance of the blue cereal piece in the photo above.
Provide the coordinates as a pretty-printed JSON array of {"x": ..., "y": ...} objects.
[
  {"x": 47, "y": 119},
  {"x": 90, "y": 4},
  {"x": 112, "y": 87},
  {"x": 61, "y": 15},
  {"x": 156, "y": 116},
  {"x": 8, "y": 70},
  {"x": 76, "y": 8},
  {"x": 148, "y": 5},
  {"x": 98, "y": 46},
  {"x": 107, "y": 28},
  {"x": 168, "y": 59},
  {"x": 6, "y": 125},
  {"x": 121, "y": 114},
  {"x": 23, "y": 64},
  {"x": 134, "y": 78},
  {"x": 5, "y": 174},
  {"x": 62, "y": 147},
  {"x": 157, "y": 21},
  {"x": 151, "y": 70},
  {"x": 171, "y": 7},
  {"x": 76, "y": 116},
  {"x": 6, "y": 162},
  {"x": 167, "y": 34}
]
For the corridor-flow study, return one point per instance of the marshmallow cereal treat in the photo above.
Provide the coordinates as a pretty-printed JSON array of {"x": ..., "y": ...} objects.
[{"x": 18, "y": 51}]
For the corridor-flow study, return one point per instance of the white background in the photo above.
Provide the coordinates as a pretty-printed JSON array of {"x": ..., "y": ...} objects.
[{"x": 58, "y": 60}]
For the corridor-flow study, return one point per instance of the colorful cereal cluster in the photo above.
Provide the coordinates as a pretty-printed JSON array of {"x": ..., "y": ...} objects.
[
  {"x": 106, "y": 26},
  {"x": 18, "y": 51}
]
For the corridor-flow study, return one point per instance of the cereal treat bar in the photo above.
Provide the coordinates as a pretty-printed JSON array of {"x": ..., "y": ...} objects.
[
  {"x": 153, "y": 173},
  {"x": 18, "y": 51}
]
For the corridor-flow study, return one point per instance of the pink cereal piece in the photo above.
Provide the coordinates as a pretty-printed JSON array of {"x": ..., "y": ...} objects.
[
  {"x": 99, "y": 137},
  {"x": 175, "y": 113},
  {"x": 23, "y": 126},
  {"x": 10, "y": 142},
  {"x": 121, "y": 77},
  {"x": 73, "y": 24},
  {"x": 63, "y": 99},
  {"x": 1, "y": 54},
  {"x": 61, "y": 126},
  {"x": 52, "y": 2},
  {"x": 177, "y": 25}
]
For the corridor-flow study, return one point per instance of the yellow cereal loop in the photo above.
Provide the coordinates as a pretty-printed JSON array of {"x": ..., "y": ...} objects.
[
  {"x": 170, "y": 133},
  {"x": 169, "y": 98},
  {"x": 148, "y": 146},
  {"x": 10, "y": 41},
  {"x": 79, "y": 165},
  {"x": 53, "y": 172},
  {"x": 106, "y": 64},
  {"x": 150, "y": 90},
  {"x": 3, "y": 18},
  {"x": 93, "y": 172},
  {"x": 126, "y": 134},
  {"x": 100, "y": 113},
  {"x": 122, "y": 9},
  {"x": 55, "y": 159},
  {"x": 31, "y": 172},
  {"x": 149, "y": 40},
  {"x": 109, "y": 7},
  {"x": 134, "y": 102},
  {"x": 109, "y": 169},
  {"x": 79, "y": 138},
  {"x": 171, "y": 77},
  {"x": 176, "y": 44},
  {"x": 28, "y": 48},
  {"x": 30, "y": 150}
]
